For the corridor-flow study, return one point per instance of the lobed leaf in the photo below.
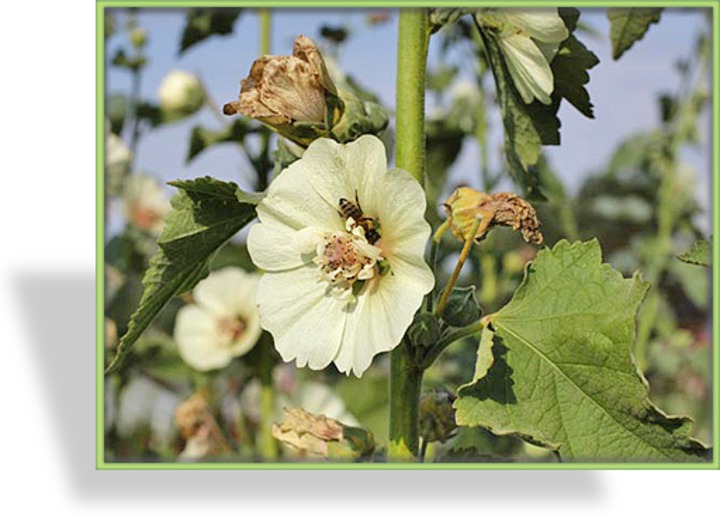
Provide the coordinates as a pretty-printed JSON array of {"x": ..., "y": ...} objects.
[
  {"x": 628, "y": 25},
  {"x": 699, "y": 254},
  {"x": 570, "y": 67},
  {"x": 562, "y": 373},
  {"x": 205, "y": 214}
]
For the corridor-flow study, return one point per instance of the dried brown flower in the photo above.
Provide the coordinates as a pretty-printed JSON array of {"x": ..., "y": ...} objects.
[
  {"x": 283, "y": 90},
  {"x": 199, "y": 429},
  {"x": 321, "y": 437},
  {"x": 467, "y": 205}
]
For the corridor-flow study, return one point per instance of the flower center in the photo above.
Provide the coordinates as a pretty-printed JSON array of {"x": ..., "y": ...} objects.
[
  {"x": 231, "y": 328},
  {"x": 144, "y": 217},
  {"x": 347, "y": 259}
]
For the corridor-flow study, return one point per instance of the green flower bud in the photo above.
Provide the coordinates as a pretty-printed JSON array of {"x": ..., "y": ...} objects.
[
  {"x": 424, "y": 331},
  {"x": 437, "y": 416},
  {"x": 138, "y": 37},
  {"x": 360, "y": 117},
  {"x": 462, "y": 307}
]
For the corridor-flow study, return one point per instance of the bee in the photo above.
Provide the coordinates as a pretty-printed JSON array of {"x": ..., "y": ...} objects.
[{"x": 350, "y": 209}]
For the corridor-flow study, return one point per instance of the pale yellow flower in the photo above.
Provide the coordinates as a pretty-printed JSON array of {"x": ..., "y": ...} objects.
[
  {"x": 223, "y": 322},
  {"x": 145, "y": 203},
  {"x": 342, "y": 241},
  {"x": 529, "y": 40}
]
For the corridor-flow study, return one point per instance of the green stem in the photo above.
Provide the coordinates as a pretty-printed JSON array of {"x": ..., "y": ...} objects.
[
  {"x": 405, "y": 375},
  {"x": 449, "y": 338},
  {"x": 134, "y": 108},
  {"x": 458, "y": 267},
  {"x": 265, "y": 48},
  {"x": 266, "y": 445},
  {"x": 405, "y": 386},
  {"x": 413, "y": 39},
  {"x": 434, "y": 244}
]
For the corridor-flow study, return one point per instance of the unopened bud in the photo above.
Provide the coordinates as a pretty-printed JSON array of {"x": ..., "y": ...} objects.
[
  {"x": 437, "y": 417},
  {"x": 466, "y": 205},
  {"x": 181, "y": 94},
  {"x": 138, "y": 37},
  {"x": 425, "y": 330},
  {"x": 462, "y": 307}
]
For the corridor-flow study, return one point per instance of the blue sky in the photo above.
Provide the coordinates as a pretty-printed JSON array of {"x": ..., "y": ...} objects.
[{"x": 624, "y": 92}]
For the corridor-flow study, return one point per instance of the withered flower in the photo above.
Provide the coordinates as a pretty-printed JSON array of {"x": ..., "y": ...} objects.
[
  {"x": 294, "y": 95},
  {"x": 198, "y": 427},
  {"x": 467, "y": 205},
  {"x": 321, "y": 437}
]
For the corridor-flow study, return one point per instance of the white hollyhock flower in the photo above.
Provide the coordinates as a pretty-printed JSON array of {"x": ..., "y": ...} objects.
[
  {"x": 341, "y": 240},
  {"x": 222, "y": 324},
  {"x": 145, "y": 203},
  {"x": 529, "y": 40}
]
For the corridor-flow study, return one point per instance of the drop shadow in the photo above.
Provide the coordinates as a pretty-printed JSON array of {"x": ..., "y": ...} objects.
[{"x": 59, "y": 314}]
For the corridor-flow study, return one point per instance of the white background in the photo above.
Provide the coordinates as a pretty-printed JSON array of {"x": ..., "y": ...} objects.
[{"x": 47, "y": 211}]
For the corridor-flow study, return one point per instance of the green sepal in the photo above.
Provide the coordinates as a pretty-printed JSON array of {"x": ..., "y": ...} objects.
[{"x": 425, "y": 330}]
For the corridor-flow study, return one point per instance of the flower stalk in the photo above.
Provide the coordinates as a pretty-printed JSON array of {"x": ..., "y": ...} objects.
[
  {"x": 265, "y": 47},
  {"x": 406, "y": 376},
  {"x": 266, "y": 443},
  {"x": 458, "y": 267}
]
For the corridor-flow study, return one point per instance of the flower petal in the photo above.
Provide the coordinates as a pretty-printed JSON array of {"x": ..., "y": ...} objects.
[
  {"x": 530, "y": 71},
  {"x": 401, "y": 212},
  {"x": 275, "y": 247},
  {"x": 291, "y": 202},
  {"x": 197, "y": 337},
  {"x": 305, "y": 321},
  {"x": 338, "y": 171},
  {"x": 378, "y": 322},
  {"x": 541, "y": 24},
  {"x": 226, "y": 292}
]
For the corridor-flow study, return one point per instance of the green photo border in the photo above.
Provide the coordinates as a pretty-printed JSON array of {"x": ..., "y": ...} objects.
[{"x": 101, "y": 5}]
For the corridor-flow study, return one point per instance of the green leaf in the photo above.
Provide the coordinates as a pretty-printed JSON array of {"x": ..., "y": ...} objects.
[
  {"x": 442, "y": 16},
  {"x": 201, "y": 138},
  {"x": 628, "y": 25},
  {"x": 569, "y": 69},
  {"x": 570, "y": 66},
  {"x": 699, "y": 254},
  {"x": 205, "y": 214},
  {"x": 562, "y": 374},
  {"x": 200, "y": 24},
  {"x": 527, "y": 127}
]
